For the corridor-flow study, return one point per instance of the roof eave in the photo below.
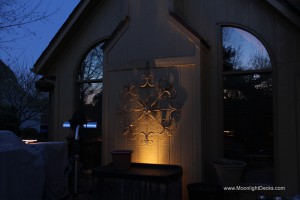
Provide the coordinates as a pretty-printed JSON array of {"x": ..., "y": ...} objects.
[
  {"x": 63, "y": 33},
  {"x": 292, "y": 16}
]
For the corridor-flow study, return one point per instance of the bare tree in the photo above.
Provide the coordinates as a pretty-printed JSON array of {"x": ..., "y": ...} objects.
[
  {"x": 260, "y": 60},
  {"x": 15, "y": 15},
  {"x": 21, "y": 98}
]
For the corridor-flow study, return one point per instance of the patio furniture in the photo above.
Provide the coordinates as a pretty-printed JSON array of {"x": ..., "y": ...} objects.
[
  {"x": 32, "y": 171},
  {"x": 21, "y": 169},
  {"x": 55, "y": 156}
]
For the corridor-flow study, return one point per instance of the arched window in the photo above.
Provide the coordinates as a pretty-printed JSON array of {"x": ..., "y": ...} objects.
[
  {"x": 247, "y": 104},
  {"x": 89, "y": 85}
]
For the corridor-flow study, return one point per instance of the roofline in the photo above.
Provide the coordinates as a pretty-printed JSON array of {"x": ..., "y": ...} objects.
[
  {"x": 286, "y": 10},
  {"x": 81, "y": 10},
  {"x": 78, "y": 13},
  {"x": 118, "y": 29},
  {"x": 182, "y": 23}
]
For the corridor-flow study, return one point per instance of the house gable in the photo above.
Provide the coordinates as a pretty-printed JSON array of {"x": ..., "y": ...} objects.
[{"x": 160, "y": 35}]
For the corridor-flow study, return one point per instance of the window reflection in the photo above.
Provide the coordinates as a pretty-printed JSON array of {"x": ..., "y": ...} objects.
[
  {"x": 90, "y": 93},
  {"x": 243, "y": 51},
  {"x": 92, "y": 65},
  {"x": 248, "y": 115}
]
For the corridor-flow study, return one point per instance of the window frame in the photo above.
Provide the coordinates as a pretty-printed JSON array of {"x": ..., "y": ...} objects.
[
  {"x": 78, "y": 81},
  {"x": 223, "y": 74}
]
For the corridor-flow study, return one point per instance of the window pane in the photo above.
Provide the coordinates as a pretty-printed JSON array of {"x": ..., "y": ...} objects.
[
  {"x": 92, "y": 65},
  {"x": 91, "y": 104},
  {"x": 243, "y": 51},
  {"x": 248, "y": 124},
  {"x": 89, "y": 88},
  {"x": 90, "y": 94}
]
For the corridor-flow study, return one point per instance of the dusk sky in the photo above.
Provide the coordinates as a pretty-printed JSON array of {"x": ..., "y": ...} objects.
[{"x": 29, "y": 47}]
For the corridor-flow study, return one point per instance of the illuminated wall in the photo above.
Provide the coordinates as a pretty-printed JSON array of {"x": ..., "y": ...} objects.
[
  {"x": 168, "y": 51},
  {"x": 150, "y": 113}
]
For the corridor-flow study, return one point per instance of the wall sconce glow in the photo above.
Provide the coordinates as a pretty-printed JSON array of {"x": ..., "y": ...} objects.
[{"x": 156, "y": 153}]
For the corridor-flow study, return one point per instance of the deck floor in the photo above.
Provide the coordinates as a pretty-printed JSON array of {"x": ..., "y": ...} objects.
[{"x": 84, "y": 189}]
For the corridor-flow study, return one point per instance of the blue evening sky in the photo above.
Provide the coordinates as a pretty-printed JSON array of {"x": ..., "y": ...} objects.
[{"x": 30, "y": 46}]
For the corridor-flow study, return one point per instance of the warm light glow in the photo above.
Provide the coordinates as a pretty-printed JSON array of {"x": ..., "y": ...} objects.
[
  {"x": 150, "y": 114},
  {"x": 155, "y": 153},
  {"x": 229, "y": 133},
  {"x": 29, "y": 141}
]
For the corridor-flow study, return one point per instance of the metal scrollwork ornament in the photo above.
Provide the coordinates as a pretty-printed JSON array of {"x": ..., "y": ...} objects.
[{"x": 149, "y": 108}]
